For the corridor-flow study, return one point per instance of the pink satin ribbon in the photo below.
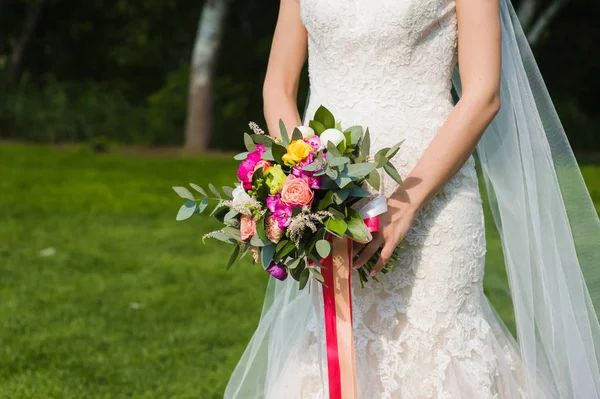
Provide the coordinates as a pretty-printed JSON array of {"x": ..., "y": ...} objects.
[{"x": 337, "y": 302}]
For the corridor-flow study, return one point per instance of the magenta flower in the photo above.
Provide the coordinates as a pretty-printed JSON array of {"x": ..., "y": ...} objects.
[
  {"x": 281, "y": 212},
  {"x": 247, "y": 167},
  {"x": 315, "y": 141},
  {"x": 278, "y": 271}
]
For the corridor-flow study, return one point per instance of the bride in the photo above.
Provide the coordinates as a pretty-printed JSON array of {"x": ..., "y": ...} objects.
[{"x": 426, "y": 329}]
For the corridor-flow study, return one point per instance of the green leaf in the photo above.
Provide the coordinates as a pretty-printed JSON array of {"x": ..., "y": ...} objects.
[
  {"x": 365, "y": 144},
  {"x": 249, "y": 143},
  {"x": 380, "y": 158},
  {"x": 258, "y": 242},
  {"x": 326, "y": 200},
  {"x": 199, "y": 189},
  {"x": 341, "y": 195},
  {"x": 227, "y": 190},
  {"x": 392, "y": 151},
  {"x": 202, "y": 205},
  {"x": 297, "y": 134},
  {"x": 295, "y": 263},
  {"x": 356, "y": 226},
  {"x": 186, "y": 211},
  {"x": 374, "y": 179},
  {"x": 260, "y": 229},
  {"x": 317, "y": 127},
  {"x": 357, "y": 191},
  {"x": 233, "y": 257},
  {"x": 184, "y": 193},
  {"x": 316, "y": 274},
  {"x": 284, "y": 247},
  {"x": 266, "y": 255},
  {"x": 278, "y": 152},
  {"x": 332, "y": 151},
  {"x": 392, "y": 172},
  {"x": 241, "y": 156},
  {"x": 338, "y": 126},
  {"x": 336, "y": 214},
  {"x": 303, "y": 278},
  {"x": 325, "y": 116},
  {"x": 267, "y": 141},
  {"x": 284, "y": 135},
  {"x": 355, "y": 133},
  {"x": 323, "y": 248},
  {"x": 268, "y": 154},
  {"x": 214, "y": 190},
  {"x": 337, "y": 227},
  {"x": 360, "y": 170}
]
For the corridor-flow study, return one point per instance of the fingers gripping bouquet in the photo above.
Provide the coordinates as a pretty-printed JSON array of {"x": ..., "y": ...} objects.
[{"x": 294, "y": 193}]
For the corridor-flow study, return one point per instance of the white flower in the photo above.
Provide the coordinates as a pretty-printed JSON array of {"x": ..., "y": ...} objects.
[
  {"x": 306, "y": 131},
  {"x": 332, "y": 135},
  {"x": 240, "y": 197}
]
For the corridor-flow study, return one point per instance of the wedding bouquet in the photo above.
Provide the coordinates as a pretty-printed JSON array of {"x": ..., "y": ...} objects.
[{"x": 293, "y": 193}]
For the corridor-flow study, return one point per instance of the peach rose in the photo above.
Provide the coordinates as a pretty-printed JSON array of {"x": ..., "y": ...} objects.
[
  {"x": 247, "y": 227},
  {"x": 296, "y": 192},
  {"x": 263, "y": 164}
]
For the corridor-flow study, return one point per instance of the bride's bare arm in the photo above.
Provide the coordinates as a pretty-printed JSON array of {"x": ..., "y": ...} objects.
[
  {"x": 288, "y": 53},
  {"x": 479, "y": 57}
]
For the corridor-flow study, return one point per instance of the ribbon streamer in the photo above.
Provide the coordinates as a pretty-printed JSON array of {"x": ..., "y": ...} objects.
[{"x": 337, "y": 302}]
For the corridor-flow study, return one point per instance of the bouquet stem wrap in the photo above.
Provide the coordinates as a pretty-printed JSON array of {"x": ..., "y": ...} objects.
[{"x": 337, "y": 302}]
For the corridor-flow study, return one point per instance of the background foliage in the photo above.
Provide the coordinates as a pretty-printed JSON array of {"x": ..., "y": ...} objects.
[{"x": 115, "y": 70}]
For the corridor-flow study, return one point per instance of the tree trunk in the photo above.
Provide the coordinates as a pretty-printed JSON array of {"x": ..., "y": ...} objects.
[
  {"x": 200, "y": 99},
  {"x": 31, "y": 20},
  {"x": 543, "y": 21}
]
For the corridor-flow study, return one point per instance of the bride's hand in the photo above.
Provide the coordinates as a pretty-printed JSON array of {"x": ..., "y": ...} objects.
[{"x": 394, "y": 224}]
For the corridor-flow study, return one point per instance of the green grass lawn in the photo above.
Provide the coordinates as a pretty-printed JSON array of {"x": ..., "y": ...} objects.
[{"x": 104, "y": 295}]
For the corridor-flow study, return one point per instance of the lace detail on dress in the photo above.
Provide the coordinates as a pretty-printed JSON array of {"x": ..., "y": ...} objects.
[{"x": 426, "y": 329}]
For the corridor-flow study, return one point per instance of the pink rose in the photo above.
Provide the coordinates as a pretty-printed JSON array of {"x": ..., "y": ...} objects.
[
  {"x": 296, "y": 192},
  {"x": 262, "y": 164},
  {"x": 247, "y": 227}
]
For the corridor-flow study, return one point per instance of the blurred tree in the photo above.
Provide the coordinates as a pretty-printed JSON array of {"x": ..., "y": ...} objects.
[
  {"x": 536, "y": 17},
  {"x": 199, "y": 124},
  {"x": 32, "y": 18}
]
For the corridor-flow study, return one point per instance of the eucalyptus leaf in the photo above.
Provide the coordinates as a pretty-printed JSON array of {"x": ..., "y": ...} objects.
[
  {"x": 186, "y": 211},
  {"x": 267, "y": 141},
  {"x": 303, "y": 278},
  {"x": 266, "y": 255},
  {"x": 357, "y": 191},
  {"x": 230, "y": 217},
  {"x": 257, "y": 242},
  {"x": 355, "y": 134},
  {"x": 249, "y": 143},
  {"x": 241, "y": 156},
  {"x": 323, "y": 248},
  {"x": 360, "y": 170},
  {"x": 332, "y": 151},
  {"x": 374, "y": 179},
  {"x": 184, "y": 193},
  {"x": 344, "y": 179},
  {"x": 268, "y": 154},
  {"x": 295, "y": 263},
  {"x": 380, "y": 158},
  {"x": 278, "y": 152},
  {"x": 202, "y": 205},
  {"x": 365, "y": 144},
  {"x": 297, "y": 134},
  {"x": 217, "y": 235},
  {"x": 316, "y": 274},
  {"x": 233, "y": 257},
  {"x": 392, "y": 172},
  {"x": 284, "y": 135},
  {"x": 340, "y": 196},
  {"x": 331, "y": 173},
  {"x": 214, "y": 190},
  {"x": 392, "y": 151},
  {"x": 199, "y": 189},
  {"x": 227, "y": 190},
  {"x": 312, "y": 167}
]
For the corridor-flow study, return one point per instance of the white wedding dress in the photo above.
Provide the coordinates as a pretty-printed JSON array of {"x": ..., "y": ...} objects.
[{"x": 426, "y": 330}]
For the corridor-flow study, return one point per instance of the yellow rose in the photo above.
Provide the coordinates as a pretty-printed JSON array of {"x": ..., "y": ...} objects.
[{"x": 296, "y": 152}]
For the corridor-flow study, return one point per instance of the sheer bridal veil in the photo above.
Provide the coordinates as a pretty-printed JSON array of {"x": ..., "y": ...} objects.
[
  {"x": 550, "y": 238},
  {"x": 549, "y": 228}
]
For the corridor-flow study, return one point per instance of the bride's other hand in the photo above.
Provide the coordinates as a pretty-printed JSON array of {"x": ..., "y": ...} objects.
[{"x": 394, "y": 225}]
